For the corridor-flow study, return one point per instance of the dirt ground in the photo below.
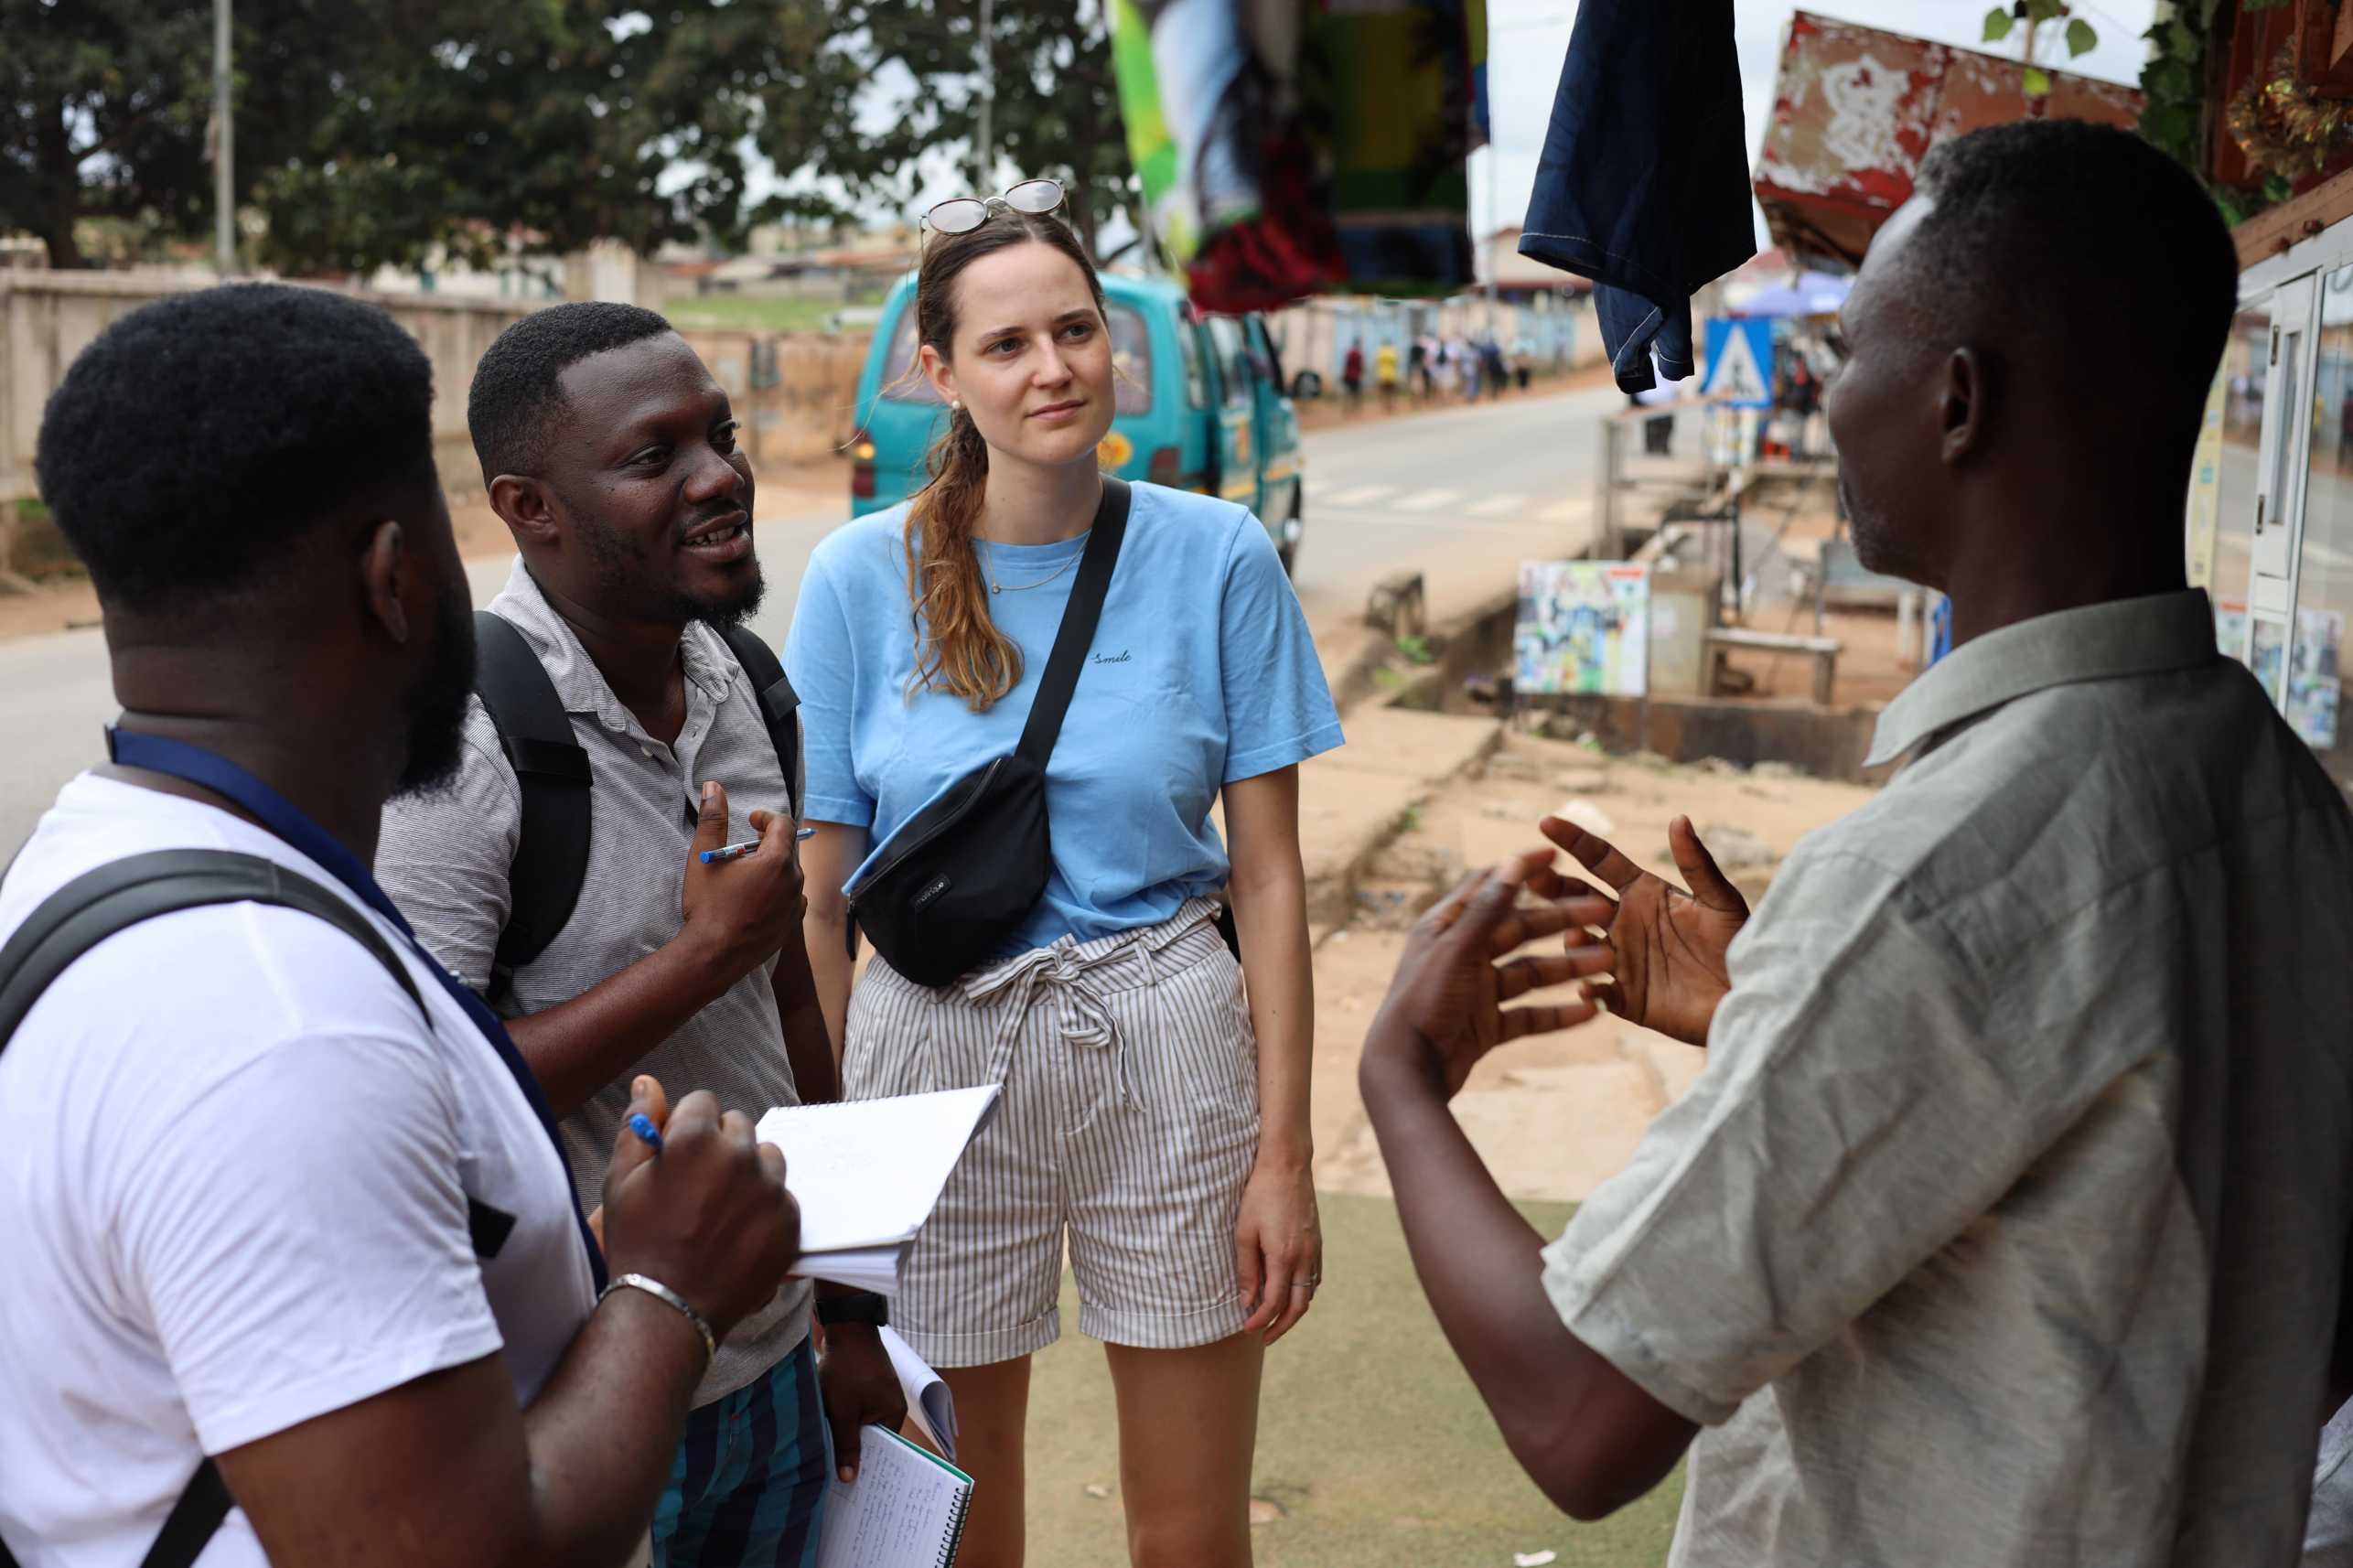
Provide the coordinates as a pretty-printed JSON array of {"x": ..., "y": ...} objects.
[{"x": 1554, "y": 1117}]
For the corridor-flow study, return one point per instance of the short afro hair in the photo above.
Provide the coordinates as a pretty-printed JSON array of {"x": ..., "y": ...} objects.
[
  {"x": 198, "y": 439},
  {"x": 515, "y": 387},
  {"x": 2095, "y": 247}
]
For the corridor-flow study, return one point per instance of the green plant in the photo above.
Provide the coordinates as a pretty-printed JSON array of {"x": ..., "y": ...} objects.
[
  {"x": 1416, "y": 648},
  {"x": 2003, "y": 20}
]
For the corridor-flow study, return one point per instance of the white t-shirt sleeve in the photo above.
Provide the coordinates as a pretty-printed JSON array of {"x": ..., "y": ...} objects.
[{"x": 299, "y": 1234}]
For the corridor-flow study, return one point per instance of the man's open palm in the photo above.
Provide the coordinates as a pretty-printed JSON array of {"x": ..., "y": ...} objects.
[{"x": 1667, "y": 946}]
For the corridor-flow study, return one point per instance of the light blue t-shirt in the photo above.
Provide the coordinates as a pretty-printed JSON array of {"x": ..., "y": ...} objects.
[{"x": 1201, "y": 673}]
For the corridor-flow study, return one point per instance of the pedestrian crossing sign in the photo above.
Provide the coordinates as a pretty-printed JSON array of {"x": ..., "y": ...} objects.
[{"x": 1737, "y": 355}]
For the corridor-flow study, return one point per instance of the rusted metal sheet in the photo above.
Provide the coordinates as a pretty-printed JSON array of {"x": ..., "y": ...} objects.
[{"x": 1856, "y": 109}]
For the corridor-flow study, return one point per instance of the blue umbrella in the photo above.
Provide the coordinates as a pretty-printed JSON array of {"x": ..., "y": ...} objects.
[{"x": 1815, "y": 294}]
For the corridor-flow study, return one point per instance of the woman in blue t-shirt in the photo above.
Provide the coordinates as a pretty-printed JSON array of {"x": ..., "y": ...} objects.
[{"x": 1155, "y": 1107}]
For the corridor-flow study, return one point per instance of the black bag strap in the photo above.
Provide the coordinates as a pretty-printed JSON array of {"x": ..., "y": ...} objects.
[
  {"x": 97, "y": 904},
  {"x": 188, "y": 1528},
  {"x": 780, "y": 704},
  {"x": 1078, "y": 628},
  {"x": 93, "y": 906},
  {"x": 552, "y": 771}
]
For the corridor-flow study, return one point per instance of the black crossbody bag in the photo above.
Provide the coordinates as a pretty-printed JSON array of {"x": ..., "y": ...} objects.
[{"x": 963, "y": 873}]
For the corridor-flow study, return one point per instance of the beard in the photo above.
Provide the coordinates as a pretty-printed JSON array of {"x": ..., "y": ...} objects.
[
  {"x": 434, "y": 708},
  {"x": 625, "y": 581}
]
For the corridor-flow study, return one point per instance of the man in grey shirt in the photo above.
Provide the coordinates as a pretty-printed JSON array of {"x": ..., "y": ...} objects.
[
  {"x": 2006, "y": 1224},
  {"x": 611, "y": 454}
]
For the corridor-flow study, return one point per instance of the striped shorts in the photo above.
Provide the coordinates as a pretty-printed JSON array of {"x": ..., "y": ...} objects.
[{"x": 1128, "y": 1120}]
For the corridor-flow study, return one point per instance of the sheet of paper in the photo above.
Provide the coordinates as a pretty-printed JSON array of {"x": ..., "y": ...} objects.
[
  {"x": 867, "y": 1172},
  {"x": 928, "y": 1403},
  {"x": 860, "y": 1268},
  {"x": 906, "y": 1509}
]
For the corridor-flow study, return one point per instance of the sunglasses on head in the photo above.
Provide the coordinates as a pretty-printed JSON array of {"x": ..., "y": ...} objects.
[{"x": 963, "y": 214}]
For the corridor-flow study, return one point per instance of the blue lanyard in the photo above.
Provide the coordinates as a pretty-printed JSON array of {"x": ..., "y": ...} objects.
[{"x": 289, "y": 822}]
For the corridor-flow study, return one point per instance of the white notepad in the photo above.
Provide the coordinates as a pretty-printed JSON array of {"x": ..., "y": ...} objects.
[
  {"x": 906, "y": 1509},
  {"x": 928, "y": 1403},
  {"x": 867, "y": 1172},
  {"x": 860, "y": 1268}
]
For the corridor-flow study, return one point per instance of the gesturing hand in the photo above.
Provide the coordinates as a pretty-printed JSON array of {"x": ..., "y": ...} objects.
[
  {"x": 1448, "y": 999},
  {"x": 743, "y": 911},
  {"x": 1666, "y": 947}
]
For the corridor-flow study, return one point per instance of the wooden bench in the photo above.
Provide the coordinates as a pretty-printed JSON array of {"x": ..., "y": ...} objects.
[{"x": 1723, "y": 641}]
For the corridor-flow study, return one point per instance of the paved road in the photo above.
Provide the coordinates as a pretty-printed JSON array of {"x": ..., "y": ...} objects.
[{"x": 1456, "y": 493}]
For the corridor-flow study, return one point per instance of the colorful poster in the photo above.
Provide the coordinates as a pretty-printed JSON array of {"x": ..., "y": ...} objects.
[
  {"x": 1583, "y": 625},
  {"x": 2314, "y": 684}
]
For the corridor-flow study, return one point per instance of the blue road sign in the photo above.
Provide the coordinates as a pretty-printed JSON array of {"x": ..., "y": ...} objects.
[{"x": 1740, "y": 363}]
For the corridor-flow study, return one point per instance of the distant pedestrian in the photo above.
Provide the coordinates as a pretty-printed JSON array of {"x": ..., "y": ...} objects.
[
  {"x": 1523, "y": 361},
  {"x": 1417, "y": 369},
  {"x": 2007, "y": 1221},
  {"x": 1384, "y": 375},
  {"x": 1352, "y": 376}
]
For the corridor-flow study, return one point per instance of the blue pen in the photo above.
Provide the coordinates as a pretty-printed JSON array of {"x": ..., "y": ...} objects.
[
  {"x": 642, "y": 1125},
  {"x": 738, "y": 851}
]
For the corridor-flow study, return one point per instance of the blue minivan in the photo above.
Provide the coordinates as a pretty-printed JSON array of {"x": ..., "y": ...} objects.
[{"x": 1200, "y": 407}]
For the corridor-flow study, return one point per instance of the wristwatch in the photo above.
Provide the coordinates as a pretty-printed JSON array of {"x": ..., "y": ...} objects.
[{"x": 863, "y": 1307}]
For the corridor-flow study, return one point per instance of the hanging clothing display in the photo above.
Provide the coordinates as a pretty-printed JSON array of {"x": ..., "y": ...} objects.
[
  {"x": 1286, "y": 148},
  {"x": 1643, "y": 184}
]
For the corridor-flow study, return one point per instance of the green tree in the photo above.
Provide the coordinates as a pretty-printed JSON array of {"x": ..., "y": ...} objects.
[
  {"x": 390, "y": 131},
  {"x": 546, "y": 124},
  {"x": 1056, "y": 109},
  {"x": 107, "y": 106},
  {"x": 376, "y": 130}
]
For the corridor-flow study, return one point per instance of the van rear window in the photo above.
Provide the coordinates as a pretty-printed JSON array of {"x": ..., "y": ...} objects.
[{"x": 1131, "y": 357}]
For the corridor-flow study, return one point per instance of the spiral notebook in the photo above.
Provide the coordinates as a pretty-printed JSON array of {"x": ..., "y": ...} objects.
[{"x": 906, "y": 1509}]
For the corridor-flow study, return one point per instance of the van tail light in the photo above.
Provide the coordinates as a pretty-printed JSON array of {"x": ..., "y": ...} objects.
[
  {"x": 1165, "y": 465},
  {"x": 861, "y": 466}
]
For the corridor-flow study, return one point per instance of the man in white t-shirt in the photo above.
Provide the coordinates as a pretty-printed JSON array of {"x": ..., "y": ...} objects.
[{"x": 267, "y": 1201}]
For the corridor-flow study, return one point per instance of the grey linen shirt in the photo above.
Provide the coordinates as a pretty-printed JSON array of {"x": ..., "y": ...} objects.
[
  {"x": 443, "y": 859},
  {"x": 2005, "y": 1225}
]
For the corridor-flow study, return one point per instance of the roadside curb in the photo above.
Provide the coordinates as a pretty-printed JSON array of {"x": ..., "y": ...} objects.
[{"x": 1353, "y": 809}]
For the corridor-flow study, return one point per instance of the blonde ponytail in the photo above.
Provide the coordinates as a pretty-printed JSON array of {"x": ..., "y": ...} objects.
[{"x": 959, "y": 648}]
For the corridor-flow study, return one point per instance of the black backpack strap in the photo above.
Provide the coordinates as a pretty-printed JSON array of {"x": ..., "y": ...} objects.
[
  {"x": 1078, "y": 628},
  {"x": 552, "y": 771},
  {"x": 85, "y": 912},
  {"x": 779, "y": 705},
  {"x": 96, "y": 905},
  {"x": 188, "y": 1528}
]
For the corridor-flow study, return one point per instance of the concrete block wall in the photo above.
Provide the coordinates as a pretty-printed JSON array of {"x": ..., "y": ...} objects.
[
  {"x": 49, "y": 317},
  {"x": 803, "y": 411}
]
